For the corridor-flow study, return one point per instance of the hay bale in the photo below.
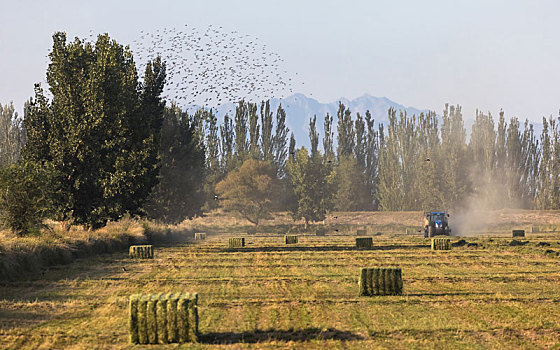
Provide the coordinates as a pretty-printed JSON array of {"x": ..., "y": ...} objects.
[
  {"x": 199, "y": 236},
  {"x": 441, "y": 243},
  {"x": 380, "y": 281},
  {"x": 163, "y": 318},
  {"x": 141, "y": 252},
  {"x": 518, "y": 233},
  {"x": 237, "y": 242},
  {"x": 361, "y": 232},
  {"x": 290, "y": 239},
  {"x": 364, "y": 242}
]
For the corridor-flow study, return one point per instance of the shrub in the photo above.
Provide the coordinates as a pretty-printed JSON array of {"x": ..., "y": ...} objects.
[
  {"x": 364, "y": 242},
  {"x": 380, "y": 281},
  {"x": 321, "y": 231},
  {"x": 441, "y": 243},
  {"x": 290, "y": 239},
  {"x": 26, "y": 197},
  {"x": 163, "y": 318},
  {"x": 141, "y": 251},
  {"x": 237, "y": 242}
]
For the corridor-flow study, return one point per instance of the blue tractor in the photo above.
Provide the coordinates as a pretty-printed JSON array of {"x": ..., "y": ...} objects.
[{"x": 435, "y": 223}]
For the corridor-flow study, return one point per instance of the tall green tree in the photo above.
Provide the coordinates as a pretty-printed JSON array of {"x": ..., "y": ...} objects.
[
  {"x": 280, "y": 141},
  {"x": 312, "y": 186},
  {"x": 101, "y": 130},
  {"x": 345, "y": 131},
  {"x": 12, "y": 135},
  {"x": 328, "y": 139},
  {"x": 227, "y": 136},
  {"x": 313, "y": 136},
  {"x": 179, "y": 193},
  {"x": 267, "y": 136}
]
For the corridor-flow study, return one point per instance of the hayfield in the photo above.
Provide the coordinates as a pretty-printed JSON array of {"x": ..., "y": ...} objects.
[{"x": 488, "y": 291}]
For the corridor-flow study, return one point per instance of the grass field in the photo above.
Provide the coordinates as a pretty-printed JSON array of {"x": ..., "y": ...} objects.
[{"x": 305, "y": 295}]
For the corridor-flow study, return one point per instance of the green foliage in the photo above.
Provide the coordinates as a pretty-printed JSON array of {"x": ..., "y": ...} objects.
[
  {"x": 352, "y": 193},
  {"x": 101, "y": 130},
  {"x": 179, "y": 193},
  {"x": 26, "y": 196},
  {"x": 250, "y": 191},
  {"x": 12, "y": 135},
  {"x": 312, "y": 184}
]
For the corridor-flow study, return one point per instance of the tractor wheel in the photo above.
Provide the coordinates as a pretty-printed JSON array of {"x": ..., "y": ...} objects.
[{"x": 431, "y": 231}]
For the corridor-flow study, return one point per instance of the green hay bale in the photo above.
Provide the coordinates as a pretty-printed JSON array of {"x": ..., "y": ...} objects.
[
  {"x": 163, "y": 318},
  {"x": 151, "y": 317},
  {"x": 364, "y": 242},
  {"x": 141, "y": 251},
  {"x": 290, "y": 239},
  {"x": 441, "y": 243},
  {"x": 380, "y": 281},
  {"x": 237, "y": 242},
  {"x": 142, "y": 319},
  {"x": 199, "y": 236},
  {"x": 133, "y": 318},
  {"x": 361, "y": 232},
  {"x": 518, "y": 233}
]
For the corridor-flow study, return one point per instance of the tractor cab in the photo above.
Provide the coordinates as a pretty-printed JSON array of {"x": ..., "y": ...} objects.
[{"x": 435, "y": 223}]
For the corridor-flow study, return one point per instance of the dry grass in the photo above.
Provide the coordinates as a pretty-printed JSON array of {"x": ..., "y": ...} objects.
[{"x": 482, "y": 294}]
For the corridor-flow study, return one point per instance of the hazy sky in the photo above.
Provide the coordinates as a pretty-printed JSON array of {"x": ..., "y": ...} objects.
[{"x": 480, "y": 54}]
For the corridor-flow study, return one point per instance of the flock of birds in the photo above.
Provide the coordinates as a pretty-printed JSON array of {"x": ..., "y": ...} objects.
[{"x": 213, "y": 67}]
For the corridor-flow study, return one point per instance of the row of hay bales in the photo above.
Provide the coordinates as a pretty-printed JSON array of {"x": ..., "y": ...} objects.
[{"x": 170, "y": 318}]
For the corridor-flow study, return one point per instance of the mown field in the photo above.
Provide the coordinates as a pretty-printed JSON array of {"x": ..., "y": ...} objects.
[{"x": 486, "y": 294}]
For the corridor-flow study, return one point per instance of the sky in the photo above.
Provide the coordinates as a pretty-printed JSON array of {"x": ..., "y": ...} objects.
[{"x": 480, "y": 54}]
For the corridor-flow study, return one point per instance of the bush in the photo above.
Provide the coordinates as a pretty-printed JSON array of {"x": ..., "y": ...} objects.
[{"x": 26, "y": 197}]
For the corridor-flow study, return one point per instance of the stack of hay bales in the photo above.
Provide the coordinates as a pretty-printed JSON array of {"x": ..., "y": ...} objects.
[
  {"x": 441, "y": 243},
  {"x": 364, "y": 242},
  {"x": 198, "y": 236},
  {"x": 361, "y": 232},
  {"x": 518, "y": 233},
  {"x": 380, "y": 281},
  {"x": 290, "y": 239},
  {"x": 163, "y": 318},
  {"x": 141, "y": 251},
  {"x": 237, "y": 242}
]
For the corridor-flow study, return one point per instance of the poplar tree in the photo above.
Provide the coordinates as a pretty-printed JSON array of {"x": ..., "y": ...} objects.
[
  {"x": 101, "y": 130},
  {"x": 267, "y": 136},
  {"x": 280, "y": 141}
]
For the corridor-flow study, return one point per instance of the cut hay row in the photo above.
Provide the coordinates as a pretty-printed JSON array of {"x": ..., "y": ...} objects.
[
  {"x": 380, "y": 281},
  {"x": 441, "y": 243},
  {"x": 290, "y": 239},
  {"x": 364, "y": 242},
  {"x": 518, "y": 233},
  {"x": 163, "y": 318},
  {"x": 141, "y": 252},
  {"x": 198, "y": 236},
  {"x": 236, "y": 242}
]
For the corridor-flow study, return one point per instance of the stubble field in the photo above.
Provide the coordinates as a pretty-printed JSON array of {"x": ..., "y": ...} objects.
[{"x": 486, "y": 294}]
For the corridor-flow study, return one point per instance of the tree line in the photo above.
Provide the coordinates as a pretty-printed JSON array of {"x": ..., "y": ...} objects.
[{"x": 106, "y": 144}]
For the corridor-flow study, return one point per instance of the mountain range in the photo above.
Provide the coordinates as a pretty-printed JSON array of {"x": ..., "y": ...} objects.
[{"x": 300, "y": 108}]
